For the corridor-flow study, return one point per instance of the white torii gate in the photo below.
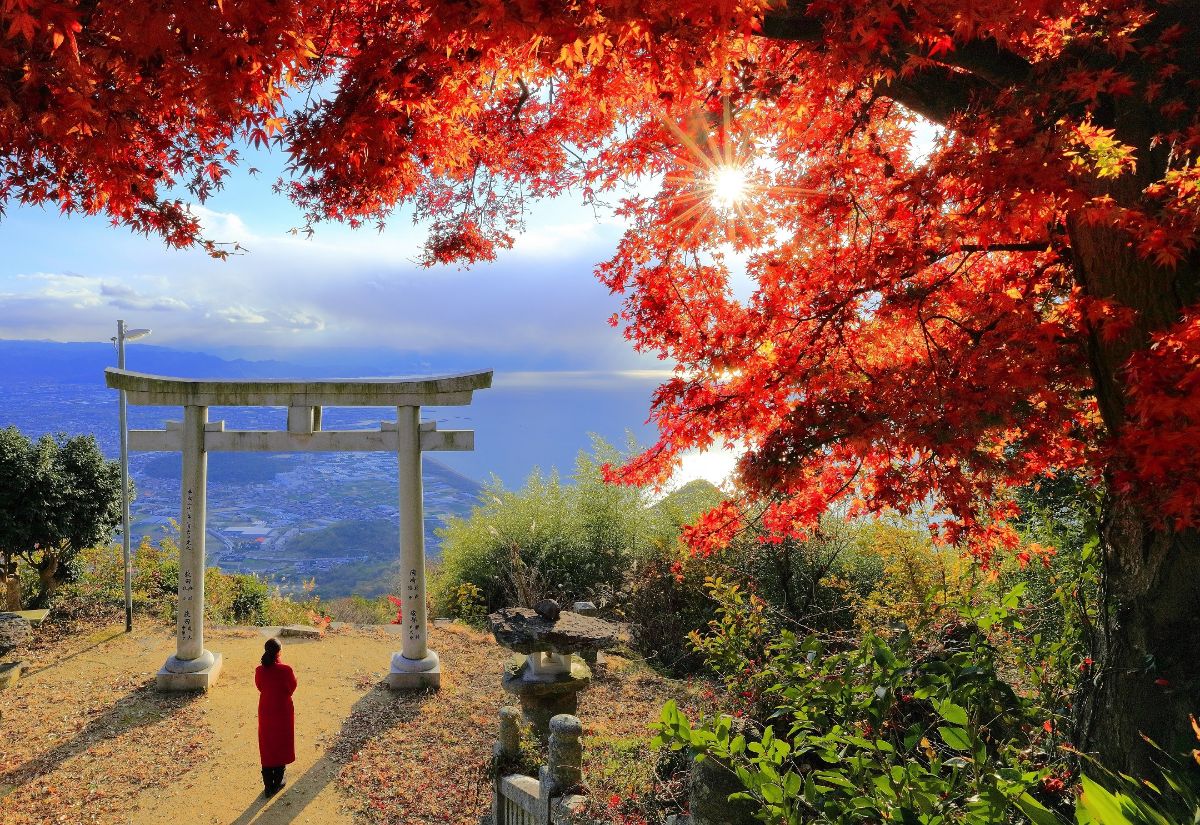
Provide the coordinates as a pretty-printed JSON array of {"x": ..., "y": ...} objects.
[{"x": 193, "y": 667}]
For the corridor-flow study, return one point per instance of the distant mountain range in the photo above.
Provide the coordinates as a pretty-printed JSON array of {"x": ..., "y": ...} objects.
[
  {"x": 528, "y": 419},
  {"x": 82, "y": 363}
]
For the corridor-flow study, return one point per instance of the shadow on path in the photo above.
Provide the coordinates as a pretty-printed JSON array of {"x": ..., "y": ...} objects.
[
  {"x": 373, "y": 715},
  {"x": 143, "y": 706},
  {"x": 103, "y": 637}
]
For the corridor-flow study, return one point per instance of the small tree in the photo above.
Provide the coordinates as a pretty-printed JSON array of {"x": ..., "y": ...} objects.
[{"x": 57, "y": 497}]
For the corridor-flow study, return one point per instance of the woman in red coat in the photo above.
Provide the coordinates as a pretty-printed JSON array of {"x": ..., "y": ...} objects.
[{"x": 276, "y": 717}]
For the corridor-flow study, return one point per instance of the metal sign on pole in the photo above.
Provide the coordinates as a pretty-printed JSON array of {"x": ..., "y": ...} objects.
[{"x": 124, "y": 335}]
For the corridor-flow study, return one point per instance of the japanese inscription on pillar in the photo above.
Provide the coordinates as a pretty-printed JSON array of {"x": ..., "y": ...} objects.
[
  {"x": 187, "y": 587},
  {"x": 412, "y": 611}
]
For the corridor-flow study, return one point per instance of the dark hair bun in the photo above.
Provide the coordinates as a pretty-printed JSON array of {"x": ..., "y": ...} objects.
[{"x": 270, "y": 652}]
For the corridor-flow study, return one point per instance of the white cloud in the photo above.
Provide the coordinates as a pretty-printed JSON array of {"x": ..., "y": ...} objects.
[
  {"x": 240, "y": 315},
  {"x": 537, "y": 304},
  {"x": 223, "y": 227},
  {"x": 715, "y": 465},
  {"x": 299, "y": 321},
  {"x": 124, "y": 297},
  {"x": 579, "y": 379}
]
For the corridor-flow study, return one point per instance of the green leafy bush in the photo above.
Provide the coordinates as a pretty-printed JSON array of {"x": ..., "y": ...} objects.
[
  {"x": 567, "y": 541},
  {"x": 249, "y": 599},
  {"x": 360, "y": 610},
  {"x": 229, "y": 598},
  {"x": 911, "y": 728},
  {"x": 58, "y": 497},
  {"x": 467, "y": 605}
]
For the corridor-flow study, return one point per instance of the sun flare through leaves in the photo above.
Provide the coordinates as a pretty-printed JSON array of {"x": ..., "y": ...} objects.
[{"x": 729, "y": 186}]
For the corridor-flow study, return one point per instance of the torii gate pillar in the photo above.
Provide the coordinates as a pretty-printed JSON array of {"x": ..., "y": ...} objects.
[
  {"x": 193, "y": 667},
  {"x": 415, "y": 666}
]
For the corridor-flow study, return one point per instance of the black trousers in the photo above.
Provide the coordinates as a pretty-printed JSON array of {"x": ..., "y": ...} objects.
[{"x": 273, "y": 778}]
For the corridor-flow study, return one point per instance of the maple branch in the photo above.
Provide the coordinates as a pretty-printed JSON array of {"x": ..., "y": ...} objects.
[
  {"x": 983, "y": 57},
  {"x": 947, "y": 85},
  {"x": 987, "y": 59},
  {"x": 793, "y": 25},
  {"x": 937, "y": 92},
  {"x": 1014, "y": 246},
  {"x": 976, "y": 249}
]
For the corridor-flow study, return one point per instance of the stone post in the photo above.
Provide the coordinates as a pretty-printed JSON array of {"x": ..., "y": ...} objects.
[
  {"x": 192, "y": 667},
  {"x": 710, "y": 784},
  {"x": 508, "y": 746},
  {"x": 415, "y": 666},
  {"x": 564, "y": 759},
  {"x": 564, "y": 764},
  {"x": 504, "y": 753}
]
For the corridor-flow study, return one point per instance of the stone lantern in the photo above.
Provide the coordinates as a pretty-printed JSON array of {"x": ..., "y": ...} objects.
[{"x": 547, "y": 674}]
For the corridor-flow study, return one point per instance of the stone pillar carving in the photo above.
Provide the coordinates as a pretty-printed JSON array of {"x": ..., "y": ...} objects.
[
  {"x": 415, "y": 666},
  {"x": 192, "y": 667}
]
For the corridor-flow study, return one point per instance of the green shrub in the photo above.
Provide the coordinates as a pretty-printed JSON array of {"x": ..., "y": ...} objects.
[
  {"x": 663, "y": 603},
  {"x": 550, "y": 539},
  {"x": 467, "y": 605},
  {"x": 58, "y": 497},
  {"x": 912, "y": 728},
  {"x": 1052, "y": 651},
  {"x": 248, "y": 600}
]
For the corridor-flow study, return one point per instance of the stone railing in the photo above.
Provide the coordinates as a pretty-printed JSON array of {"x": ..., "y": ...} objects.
[{"x": 550, "y": 799}]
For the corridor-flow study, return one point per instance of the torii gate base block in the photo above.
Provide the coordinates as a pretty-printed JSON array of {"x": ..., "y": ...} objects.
[
  {"x": 405, "y": 675},
  {"x": 203, "y": 679}
]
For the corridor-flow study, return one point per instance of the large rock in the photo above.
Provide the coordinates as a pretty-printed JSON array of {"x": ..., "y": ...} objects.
[
  {"x": 14, "y": 632},
  {"x": 35, "y": 618},
  {"x": 525, "y": 631},
  {"x": 548, "y": 609},
  {"x": 10, "y": 672},
  {"x": 710, "y": 784},
  {"x": 300, "y": 631}
]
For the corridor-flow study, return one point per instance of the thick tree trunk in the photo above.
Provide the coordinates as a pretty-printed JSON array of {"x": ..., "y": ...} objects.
[
  {"x": 1148, "y": 647},
  {"x": 1147, "y": 652},
  {"x": 48, "y": 577}
]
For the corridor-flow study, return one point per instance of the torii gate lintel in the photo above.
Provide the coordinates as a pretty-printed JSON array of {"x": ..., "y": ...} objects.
[{"x": 194, "y": 667}]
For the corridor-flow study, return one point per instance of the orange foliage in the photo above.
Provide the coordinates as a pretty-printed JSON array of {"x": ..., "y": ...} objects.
[{"x": 916, "y": 326}]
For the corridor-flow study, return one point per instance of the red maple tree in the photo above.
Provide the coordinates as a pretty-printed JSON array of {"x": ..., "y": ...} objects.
[{"x": 1018, "y": 300}]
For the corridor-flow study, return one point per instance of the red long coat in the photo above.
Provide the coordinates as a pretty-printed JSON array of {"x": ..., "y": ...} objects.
[{"x": 276, "y": 715}]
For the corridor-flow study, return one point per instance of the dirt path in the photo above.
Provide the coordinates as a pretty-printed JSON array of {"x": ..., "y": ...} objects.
[
  {"x": 85, "y": 737},
  {"x": 335, "y": 674}
]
